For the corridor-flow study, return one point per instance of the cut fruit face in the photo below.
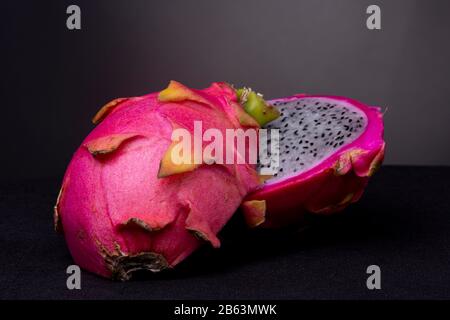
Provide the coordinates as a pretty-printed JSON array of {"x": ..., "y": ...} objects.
[
  {"x": 328, "y": 148},
  {"x": 311, "y": 130}
]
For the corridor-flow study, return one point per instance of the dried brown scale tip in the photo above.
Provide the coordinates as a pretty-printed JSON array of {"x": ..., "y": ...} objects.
[
  {"x": 199, "y": 235},
  {"x": 56, "y": 219},
  {"x": 107, "y": 109},
  {"x": 108, "y": 144},
  {"x": 123, "y": 266},
  {"x": 139, "y": 223}
]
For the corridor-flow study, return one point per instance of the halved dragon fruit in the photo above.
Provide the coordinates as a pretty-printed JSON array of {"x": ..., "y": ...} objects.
[{"x": 329, "y": 147}]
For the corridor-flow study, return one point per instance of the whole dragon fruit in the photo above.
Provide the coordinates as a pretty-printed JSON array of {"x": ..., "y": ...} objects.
[
  {"x": 329, "y": 147},
  {"x": 125, "y": 205}
]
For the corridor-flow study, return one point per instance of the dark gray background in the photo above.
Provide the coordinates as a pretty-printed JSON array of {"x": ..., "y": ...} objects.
[{"x": 54, "y": 80}]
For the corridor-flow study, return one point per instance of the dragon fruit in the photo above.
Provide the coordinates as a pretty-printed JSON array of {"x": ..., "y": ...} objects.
[
  {"x": 329, "y": 147},
  {"x": 125, "y": 206}
]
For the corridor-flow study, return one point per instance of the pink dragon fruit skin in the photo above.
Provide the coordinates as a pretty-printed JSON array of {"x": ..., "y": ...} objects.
[
  {"x": 118, "y": 212},
  {"x": 330, "y": 185}
]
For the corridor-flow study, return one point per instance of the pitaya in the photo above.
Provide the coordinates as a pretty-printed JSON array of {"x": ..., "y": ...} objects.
[
  {"x": 329, "y": 147},
  {"x": 124, "y": 206}
]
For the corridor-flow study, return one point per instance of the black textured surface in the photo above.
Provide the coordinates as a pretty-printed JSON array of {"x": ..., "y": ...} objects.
[{"x": 402, "y": 224}]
